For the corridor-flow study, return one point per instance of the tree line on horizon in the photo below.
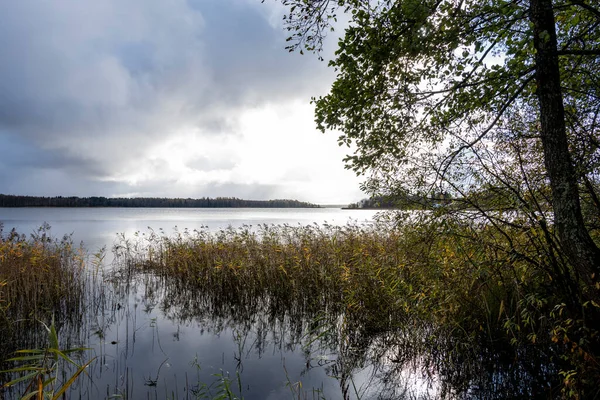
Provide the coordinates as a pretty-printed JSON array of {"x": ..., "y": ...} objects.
[
  {"x": 99, "y": 201},
  {"x": 403, "y": 202}
]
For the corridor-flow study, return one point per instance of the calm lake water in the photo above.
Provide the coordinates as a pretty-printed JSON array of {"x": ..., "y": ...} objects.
[
  {"x": 98, "y": 227},
  {"x": 147, "y": 348}
]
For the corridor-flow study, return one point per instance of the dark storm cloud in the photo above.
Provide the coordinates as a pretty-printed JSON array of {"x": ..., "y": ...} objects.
[
  {"x": 252, "y": 65},
  {"x": 87, "y": 87},
  {"x": 55, "y": 182}
]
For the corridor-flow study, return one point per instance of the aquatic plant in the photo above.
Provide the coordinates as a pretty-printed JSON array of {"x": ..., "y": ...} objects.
[
  {"x": 40, "y": 274},
  {"x": 42, "y": 279},
  {"x": 449, "y": 296},
  {"x": 42, "y": 369},
  {"x": 305, "y": 267}
]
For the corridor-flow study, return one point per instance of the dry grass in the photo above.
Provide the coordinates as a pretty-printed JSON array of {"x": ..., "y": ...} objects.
[
  {"x": 454, "y": 296},
  {"x": 307, "y": 268},
  {"x": 41, "y": 279},
  {"x": 473, "y": 304}
]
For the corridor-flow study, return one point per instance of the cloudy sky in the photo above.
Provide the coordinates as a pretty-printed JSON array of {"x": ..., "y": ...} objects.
[{"x": 173, "y": 98}]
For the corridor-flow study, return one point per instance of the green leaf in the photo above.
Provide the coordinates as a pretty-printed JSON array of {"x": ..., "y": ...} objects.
[
  {"x": 26, "y": 368},
  {"x": 53, "y": 336},
  {"x": 72, "y": 379},
  {"x": 21, "y": 379}
]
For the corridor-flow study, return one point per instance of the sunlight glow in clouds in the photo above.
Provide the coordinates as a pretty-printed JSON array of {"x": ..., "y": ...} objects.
[
  {"x": 276, "y": 146},
  {"x": 154, "y": 98}
]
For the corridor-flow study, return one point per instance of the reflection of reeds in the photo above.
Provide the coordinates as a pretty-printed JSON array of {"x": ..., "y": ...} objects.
[
  {"x": 327, "y": 289},
  {"x": 309, "y": 267},
  {"x": 440, "y": 297}
]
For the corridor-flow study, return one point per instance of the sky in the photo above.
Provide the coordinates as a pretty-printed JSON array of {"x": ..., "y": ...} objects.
[{"x": 162, "y": 98}]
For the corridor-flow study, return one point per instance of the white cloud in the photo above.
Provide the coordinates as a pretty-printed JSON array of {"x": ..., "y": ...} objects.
[{"x": 179, "y": 98}]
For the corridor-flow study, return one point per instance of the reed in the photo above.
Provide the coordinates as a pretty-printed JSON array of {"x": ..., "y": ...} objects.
[
  {"x": 311, "y": 268},
  {"x": 448, "y": 295},
  {"x": 41, "y": 279},
  {"x": 41, "y": 274},
  {"x": 41, "y": 369}
]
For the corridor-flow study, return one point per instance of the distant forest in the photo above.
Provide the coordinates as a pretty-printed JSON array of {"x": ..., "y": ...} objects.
[
  {"x": 404, "y": 202},
  {"x": 204, "y": 202}
]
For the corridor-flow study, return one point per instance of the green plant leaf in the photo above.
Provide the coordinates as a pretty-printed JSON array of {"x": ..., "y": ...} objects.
[
  {"x": 21, "y": 379},
  {"x": 72, "y": 379}
]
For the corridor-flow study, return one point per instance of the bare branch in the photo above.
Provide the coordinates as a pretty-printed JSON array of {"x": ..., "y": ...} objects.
[{"x": 448, "y": 160}]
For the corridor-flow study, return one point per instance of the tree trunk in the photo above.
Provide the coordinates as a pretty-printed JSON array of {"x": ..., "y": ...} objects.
[{"x": 575, "y": 240}]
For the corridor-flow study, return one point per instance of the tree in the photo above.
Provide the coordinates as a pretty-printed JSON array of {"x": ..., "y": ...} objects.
[{"x": 429, "y": 90}]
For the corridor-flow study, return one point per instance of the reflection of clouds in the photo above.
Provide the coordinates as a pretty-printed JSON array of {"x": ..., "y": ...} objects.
[
  {"x": 220, "y": 346},
  {"x": 269, "y": 348}
]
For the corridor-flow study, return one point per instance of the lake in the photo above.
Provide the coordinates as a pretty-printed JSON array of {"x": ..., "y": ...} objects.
[
  {"x": 147, "y": 347},
  {"x": 98, "y": 227}
]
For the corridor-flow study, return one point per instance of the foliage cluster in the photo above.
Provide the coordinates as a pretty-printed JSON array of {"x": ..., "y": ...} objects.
[
  {"x": 493, "y": 101},
  {"x": 403, "y": 202},
  {"x": 448, "y": 291}
]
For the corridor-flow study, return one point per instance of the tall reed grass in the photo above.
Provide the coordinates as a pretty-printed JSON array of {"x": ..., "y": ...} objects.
[
  {"x": 41, "y": 280},
  {"x": 453, "y": 298},
  {"x": 307, "y": 267},
  {"x": 474, "y": 307},
  {"x": 41, "y": 276}
]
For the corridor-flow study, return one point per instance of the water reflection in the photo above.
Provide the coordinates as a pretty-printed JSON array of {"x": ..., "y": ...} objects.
[
  {"x": 159, "y": 336},
  {"x": 166, "y": 338}
]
